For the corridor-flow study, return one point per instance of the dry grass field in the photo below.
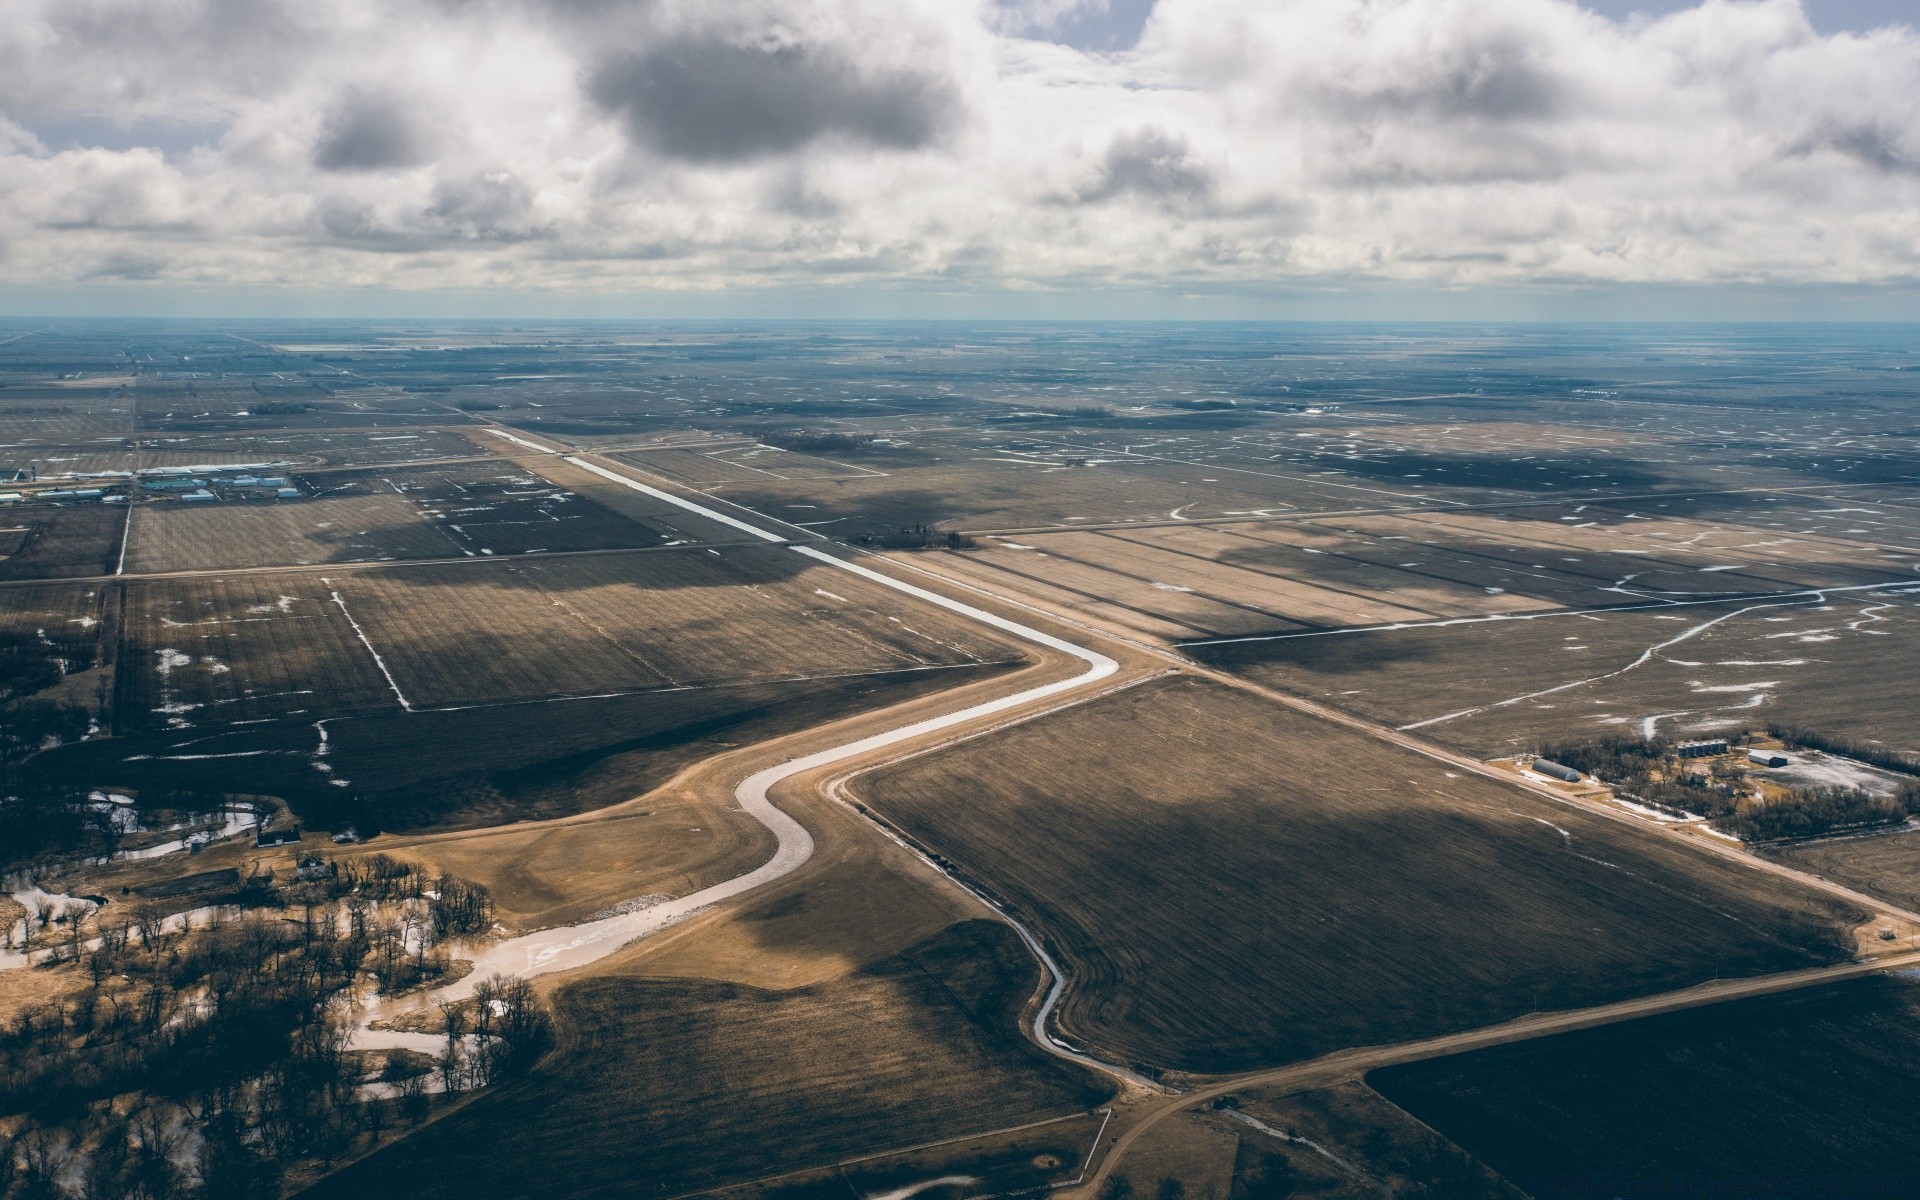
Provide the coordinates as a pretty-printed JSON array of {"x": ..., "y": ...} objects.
[
  {"x": 1887, "y": 865},
  {"x": 663, "y": 1087},
  {"x": 1183, "y": 839},
  {"x": 49, "y": 541},
  {"x": 1777, "y": 1096},
  {"x": 1800, "y": 661}
]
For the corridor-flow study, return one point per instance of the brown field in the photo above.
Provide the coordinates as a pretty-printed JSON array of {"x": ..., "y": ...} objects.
[
  {"x": 58, "y": 541},
  {"x": 1362, "y": 1147},
  {"x": 1785, "y": 1095},
  {"x": 390, "y": 769},
  {"x": 692, "y": 618},
  {"x": 211, "y": 652},
  {"x": 665, "y": 1087},
  {"x": 364, "y": 522},
  {"x": 1185, "y": 839},
  {"x": 1195, "y": 581},
  {"x": 1012, "y": 484},
  {"x": 1886, "y": 865},
  {"x": 499, "y": 508},
  {"x": 673, "y": 523},
  {"x": 1800, "y": 661}
]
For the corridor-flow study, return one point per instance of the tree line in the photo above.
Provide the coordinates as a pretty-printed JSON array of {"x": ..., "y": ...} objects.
[{"x": 214, "y": 1062}]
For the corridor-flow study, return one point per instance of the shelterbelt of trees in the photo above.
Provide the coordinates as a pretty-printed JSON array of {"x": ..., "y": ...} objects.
[{"x": 1649, "y": 771}]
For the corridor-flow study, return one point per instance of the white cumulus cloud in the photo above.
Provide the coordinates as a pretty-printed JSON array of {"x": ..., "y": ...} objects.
[{"x": 588, "y": 145}]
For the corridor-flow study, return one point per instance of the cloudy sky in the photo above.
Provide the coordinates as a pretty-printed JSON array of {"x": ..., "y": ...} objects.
[{"x": 1145, "y": 157}]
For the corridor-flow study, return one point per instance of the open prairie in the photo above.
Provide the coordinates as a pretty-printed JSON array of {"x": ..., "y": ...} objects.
[
  {"x": 1780, "y": 1096},
  {"x": 1183, "y": 838}
]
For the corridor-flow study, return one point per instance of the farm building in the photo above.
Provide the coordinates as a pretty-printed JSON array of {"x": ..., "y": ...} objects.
[
  {"x": 1559, "y": 771},
  {"x": 1701, "y": 749},
  {"x": 1769, "y": 758},
  {"x": 277, "y": 837}
]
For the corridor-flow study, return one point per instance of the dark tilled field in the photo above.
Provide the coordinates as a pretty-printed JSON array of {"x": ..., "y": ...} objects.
[
  {"x": 665, "y": 1087},
  {"x": 481, "y": 766},
  {"x": 46, "y": 541},
  {"x": 1234, "y": 885},
  {"x": 1810, "y": 1093}
]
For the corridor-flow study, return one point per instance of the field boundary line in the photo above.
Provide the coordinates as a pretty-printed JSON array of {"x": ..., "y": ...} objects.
[
  {"x": 362, "y": 635},
  {"x": 1355, "y": 1063},
  {"x": 835, "y": 790}
]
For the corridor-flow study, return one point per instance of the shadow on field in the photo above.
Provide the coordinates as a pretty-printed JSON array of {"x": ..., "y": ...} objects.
[
  {"x": 1232, "y": 885},
  {"x": 409, "y": 772},
  {"x": 1802, "y": 1094},
  {"x": 1533, "y": 472},
  {"x": 1332, "y": 654},
  {"x": 665, "y": 1086}
]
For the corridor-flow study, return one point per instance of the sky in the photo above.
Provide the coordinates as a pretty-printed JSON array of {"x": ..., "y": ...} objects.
[{"x": 977, "y": 158}]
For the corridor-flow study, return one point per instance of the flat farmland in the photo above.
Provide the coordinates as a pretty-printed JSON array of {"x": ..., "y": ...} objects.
[
  {"x": 49, "y": 635},
  {"x": 382, "y": 768},
  {"x": 361, "y": 521},
  {"x": 1497, "y": 687},
  {"x": 489, "y": 508},
  {"x": 242, "y": 648},
  {"x": 305, "y": 447},
  {"x": 1184, "y": 839},
  {"x": 668, "y": 521},
  {"x": 742, "y": 462},
  {"x": 457, "y": 634},
  {"x": 1800, "y": 1094},
  {"x": 1019, "y": 484},
  {"x": 57, "y": 541},
  {"x": 663, "y": 1087},
  {"x": 1887, "y": 865}
]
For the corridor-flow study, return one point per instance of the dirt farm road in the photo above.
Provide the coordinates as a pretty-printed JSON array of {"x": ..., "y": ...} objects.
[{"x": 1346, "y": 1065}]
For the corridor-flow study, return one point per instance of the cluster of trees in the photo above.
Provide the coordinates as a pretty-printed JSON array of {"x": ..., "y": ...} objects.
[
  {"x": 816, "y": 442},
  {"x": 1644, "y": 770},
  {"x": 919, "y": 537},
  {"x": 1647, "y": 771},
  {"x": 502, "y": 1032},
  {"x": 1811, "y": 812},
  {"x": 1866, "y": 752},
  {"x": 233, "y": 1042},
  {"x": 39, "y": 820},
  {"x": 458, "y": 907},
  {"x": 42, "y": 820},
  {"x": 32, "y": 662}
]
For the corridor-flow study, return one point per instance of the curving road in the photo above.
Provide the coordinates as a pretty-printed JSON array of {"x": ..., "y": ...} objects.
[{"x": 576, "y": 945}]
